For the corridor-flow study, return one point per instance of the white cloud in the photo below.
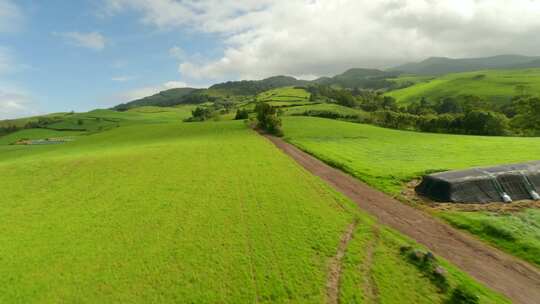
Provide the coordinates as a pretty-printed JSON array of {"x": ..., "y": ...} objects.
[
  {"x": 14, "y": 104},
  {"x": 92, "y": 40},
  {"x": 319, "y": 37},
  {"x": 11, "y": 16}
]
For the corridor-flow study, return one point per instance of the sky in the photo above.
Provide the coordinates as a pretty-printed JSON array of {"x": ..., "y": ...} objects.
[{"x": 59, "y": 55}]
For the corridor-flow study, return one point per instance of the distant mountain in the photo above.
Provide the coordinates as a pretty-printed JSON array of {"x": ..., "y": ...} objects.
[
  {"x": 353, "y": 78},
  {"x": 359, "y": 78},
  {"x": 443, "y": 65},
  {"x": 162, "y": 99},
  {"x": 253, "y": 87}
]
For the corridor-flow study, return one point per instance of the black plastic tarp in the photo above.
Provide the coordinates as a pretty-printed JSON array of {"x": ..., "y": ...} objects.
[{"x": 483, "y": 185}]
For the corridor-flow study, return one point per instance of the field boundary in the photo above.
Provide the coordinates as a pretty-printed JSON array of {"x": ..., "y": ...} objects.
[{"x": 514, "y": 278}]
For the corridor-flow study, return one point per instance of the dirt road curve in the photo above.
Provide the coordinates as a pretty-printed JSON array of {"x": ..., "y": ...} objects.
[{"x": 517, "y": 280}]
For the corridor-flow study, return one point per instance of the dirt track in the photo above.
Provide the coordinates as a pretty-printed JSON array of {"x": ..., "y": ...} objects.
[{"x": 517, "y": 280}]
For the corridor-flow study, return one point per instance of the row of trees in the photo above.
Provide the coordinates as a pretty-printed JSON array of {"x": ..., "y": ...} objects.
[
  {"x": 41, "y": 122},
  {"x": 463, "y": 115}
]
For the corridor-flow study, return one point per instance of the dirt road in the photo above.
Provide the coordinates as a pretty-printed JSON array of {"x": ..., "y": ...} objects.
[{"x": 517, "y": 280}]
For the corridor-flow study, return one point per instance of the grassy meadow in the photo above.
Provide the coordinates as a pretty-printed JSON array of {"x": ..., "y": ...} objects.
[
  {"x": 284, "y": 94},
  {"x": 387, "y": 159},
  {"x": 156, "y": 210},
  {"x": 494, "y": 85}
]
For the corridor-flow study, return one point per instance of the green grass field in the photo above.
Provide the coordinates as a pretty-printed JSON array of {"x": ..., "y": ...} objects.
[
  {"x": 387, "y": 159},
  {"x": 325, "y": 107},
  {"x": 284, "y": 94},
  {"x": 162, "y": 211},
  {"x": 494, "y": 85}
]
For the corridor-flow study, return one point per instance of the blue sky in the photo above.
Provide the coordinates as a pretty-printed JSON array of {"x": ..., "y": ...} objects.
[
  {"x": 61, "y": 73},
  {"x": 60, "y": 55}
]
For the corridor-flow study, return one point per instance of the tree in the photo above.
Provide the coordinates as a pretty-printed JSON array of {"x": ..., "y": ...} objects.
[
  {"x": 241, "y": 114},
  {"x": 448, "y": 105},
  {"x": 201, "y": 114},
  {"x": 481, "y": 122},
  {"x": 268, "y": 120},
  {"x": 528, "y": 114}
]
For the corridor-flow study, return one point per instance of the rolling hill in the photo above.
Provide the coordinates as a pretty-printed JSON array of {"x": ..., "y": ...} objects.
[
  {"x": 157, "y": 210},
  {"x": 359, "y": 78},
  {"x": 498, "y": 86},
  {"x": 443, "y": 65},
  {"x": 165, "y": 98}
]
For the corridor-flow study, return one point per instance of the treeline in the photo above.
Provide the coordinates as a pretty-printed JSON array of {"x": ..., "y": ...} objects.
[
  {"x": 41, "y": 122},
  {"x": 464, "y": 115},
  {"x": 214, "y": 111}
]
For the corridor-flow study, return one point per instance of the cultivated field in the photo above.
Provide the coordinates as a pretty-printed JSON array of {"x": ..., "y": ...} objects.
[
  {"x": 387, "y": 159},
  {"x": 156, "y": 210},
  {"x": 284, "y": 94},
  {"x": 493, "y": 85}
]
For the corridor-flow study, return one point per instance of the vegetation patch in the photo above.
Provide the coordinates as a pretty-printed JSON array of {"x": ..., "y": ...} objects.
[
  {"x": 517, "y": 233},
  {"x": 157, "y": 210}
]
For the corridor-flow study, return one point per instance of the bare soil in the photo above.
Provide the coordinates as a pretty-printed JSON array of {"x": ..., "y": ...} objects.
[{"x": 516, "y": 279}]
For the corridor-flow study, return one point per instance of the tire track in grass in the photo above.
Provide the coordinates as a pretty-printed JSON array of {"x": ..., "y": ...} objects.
[
  {"x": 335, "y": 268},
  {"x": 371, "y": 290}
]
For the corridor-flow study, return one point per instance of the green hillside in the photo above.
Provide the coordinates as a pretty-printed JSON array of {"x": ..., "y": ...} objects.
[
  {"x": 443, "y": 65},
  {"x": 359, "y": 78},
  {"x": 290, "y": 94},
  {"x": 156, "y": 210},
  {"x": 165, "y": 98},
  {"x": 387, "y": 158},
  {"x": 498, "y": 86}
]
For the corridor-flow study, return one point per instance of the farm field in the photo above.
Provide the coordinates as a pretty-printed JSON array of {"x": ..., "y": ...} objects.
[
  {"x": 498, "y": 86},
  {"x": 387, "y": 159},
  {"x": 284, "y": 94},
  {"x": 155, "y": 211},
  {"x": 329, "y": 108}
]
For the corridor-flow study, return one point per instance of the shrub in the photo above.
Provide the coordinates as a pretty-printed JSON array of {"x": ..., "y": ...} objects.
[
  {"x": 463, "y": 295},
  {"x": 268, "y": 119},
  {"x": 241, "y": 114}
]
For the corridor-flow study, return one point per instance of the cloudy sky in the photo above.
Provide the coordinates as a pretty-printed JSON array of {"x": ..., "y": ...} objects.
[{"x": 59, "y": 55}]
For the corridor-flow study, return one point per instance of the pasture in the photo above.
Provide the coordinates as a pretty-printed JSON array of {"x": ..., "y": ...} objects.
[
  {"x": 156, "y": 210},
  {"x": 497, "y": 86},
  {"x": 284, "y": 94},
  {"x": 387, "y": 159}
]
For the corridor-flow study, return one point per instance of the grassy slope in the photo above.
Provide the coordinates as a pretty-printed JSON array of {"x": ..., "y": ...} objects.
[
  {"x": 284, "y": 94},
  {"x": 496, "y": 86},
  {"x": 325, "y": 107},
  {"x": 387, "y": 158},
  {"x": 517, "y": 233},
  {"x": 168, "y": 212}
]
